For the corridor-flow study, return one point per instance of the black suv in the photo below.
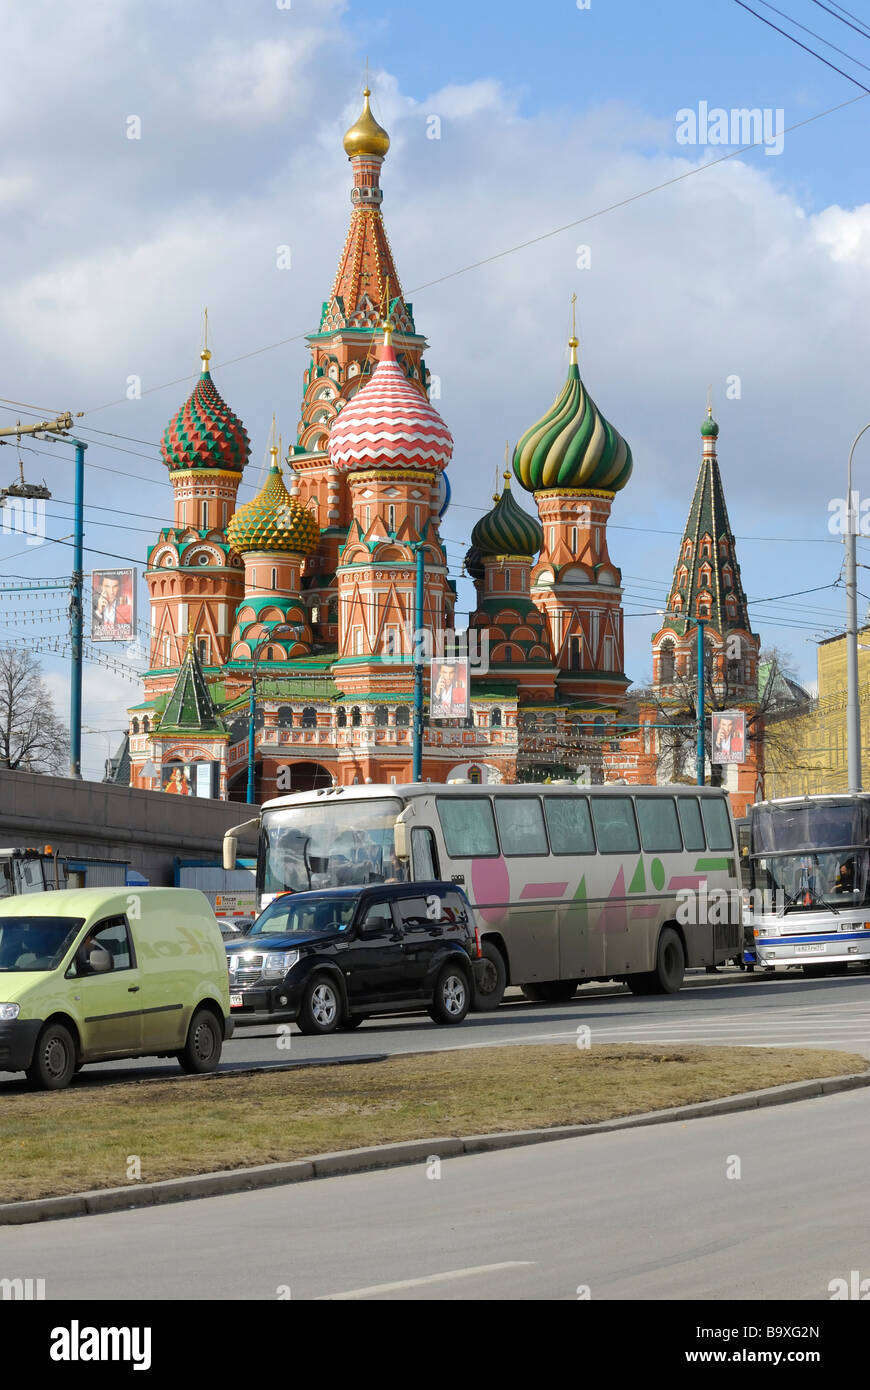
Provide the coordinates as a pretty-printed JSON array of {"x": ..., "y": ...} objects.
[{"x": 330, "y": 959}]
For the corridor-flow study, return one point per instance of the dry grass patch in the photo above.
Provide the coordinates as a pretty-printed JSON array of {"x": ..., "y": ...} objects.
[{"x": 80, "y": 1139}]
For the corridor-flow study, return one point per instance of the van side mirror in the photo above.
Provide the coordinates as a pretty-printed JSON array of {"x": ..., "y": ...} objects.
[{"x": 99, "y": 960}]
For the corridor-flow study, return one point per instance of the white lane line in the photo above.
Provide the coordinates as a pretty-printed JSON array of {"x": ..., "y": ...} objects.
[{"x": 426, "y": 1279}]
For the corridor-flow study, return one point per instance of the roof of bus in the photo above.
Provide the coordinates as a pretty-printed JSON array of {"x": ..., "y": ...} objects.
[
  {"x": 367, "y": 791},
  {"x": 815, "y": 796}
]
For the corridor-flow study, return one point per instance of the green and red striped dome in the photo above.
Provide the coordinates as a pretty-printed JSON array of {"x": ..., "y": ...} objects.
[
  {"x": 507, "y": 529},
  {"x": 573, "y": 446},
  {"x": 205, "y": 433}
]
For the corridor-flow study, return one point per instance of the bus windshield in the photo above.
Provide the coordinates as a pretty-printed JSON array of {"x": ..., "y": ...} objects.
[
  {"x": 814, "y": 854},
  {"x": 330, "y": 844}
]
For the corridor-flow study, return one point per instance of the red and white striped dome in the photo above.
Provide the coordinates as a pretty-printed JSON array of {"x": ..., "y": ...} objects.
[{"x": 389, "y": 424}]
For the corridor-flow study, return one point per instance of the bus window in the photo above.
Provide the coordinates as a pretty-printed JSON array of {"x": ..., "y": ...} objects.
[
  {"x": 615, "y": 830},
  {"x": 468, "y": 826},
  {"x": 717, "y": 823},
  {"x": 690, "y": 820},
  {"x": 521, "y": 825},
  {"x": 569, "y": 824},
  {"x": 657, "y": 818},
  {"x": 424, "y": 856}
]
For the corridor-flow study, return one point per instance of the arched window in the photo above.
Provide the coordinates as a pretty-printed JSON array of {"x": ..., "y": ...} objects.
[
  {"x": 403, "y": 716},
  {"x": 269, "y": 651},
  {"x": 507, "y": 581},
  {"x": 666, "y": 662},
  {"x": 205, "y": 516},
  {"x": 341, "y": 718},
  {"x": 274, "y": 578},
  {"x": 683, "y": 577},
  {"x": 135, "y": 726},
  {"x": 475, "y": 776},
  {"x": 355, "y": 717},
  {"x": 146, "y": 725},
  {"x": 391, "y": 517},
  {"x": 285, "y": 717},
  {"x": 332, "y": 611},
  {"x": 309, "y": 717},
  {"x": 381, "y": 716},
  {"x": 495, "y": 719}
]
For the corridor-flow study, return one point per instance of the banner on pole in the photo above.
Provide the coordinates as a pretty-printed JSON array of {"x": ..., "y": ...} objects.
[
  {"x": 729, "y": 736},
  {"x": 448, "y": 688},
  {"x": 113, "y": 605}
]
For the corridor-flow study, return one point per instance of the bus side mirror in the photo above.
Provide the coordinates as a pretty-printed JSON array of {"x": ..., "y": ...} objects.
[
  {"x": 400, "y": 840},
  {"x": 229, "y": 852}
]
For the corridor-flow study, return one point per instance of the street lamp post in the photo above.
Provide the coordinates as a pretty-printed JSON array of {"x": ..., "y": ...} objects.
[
  {"x": 853, "y": 711},
  {"x": 418, "y": 547},
  {"x": 283, "y": 631}
]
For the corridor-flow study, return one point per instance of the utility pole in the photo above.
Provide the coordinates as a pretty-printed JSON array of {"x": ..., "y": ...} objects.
[
  {"x": 853, "y": 705},
  {"x": 700, "y": 703},
  {"x": 60, "y": 426}
]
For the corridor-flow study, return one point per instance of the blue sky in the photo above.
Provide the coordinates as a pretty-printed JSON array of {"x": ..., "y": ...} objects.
[{"x": 758, "y": 268}]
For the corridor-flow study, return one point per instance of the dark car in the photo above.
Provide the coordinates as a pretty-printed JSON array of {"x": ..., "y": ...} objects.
[{"x": 332, "y": 958}]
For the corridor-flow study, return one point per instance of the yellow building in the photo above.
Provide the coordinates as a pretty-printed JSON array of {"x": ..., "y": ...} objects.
[{"x": 806, "y": 753}]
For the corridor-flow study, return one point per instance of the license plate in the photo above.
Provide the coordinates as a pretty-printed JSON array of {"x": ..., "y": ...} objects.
[
  {"x": 811, "y": 950},
  {"x": 235, "y": 1001}
]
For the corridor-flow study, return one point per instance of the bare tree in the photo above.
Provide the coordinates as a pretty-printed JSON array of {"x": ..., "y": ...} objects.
[
  {"x": 767, "y": 719},
  {"x": 32, "y": 738}
]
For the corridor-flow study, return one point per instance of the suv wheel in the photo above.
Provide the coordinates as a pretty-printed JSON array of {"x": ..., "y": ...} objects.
[
  {"x": 320, "y": 1010},
  {"x": 452, "y": 996}
]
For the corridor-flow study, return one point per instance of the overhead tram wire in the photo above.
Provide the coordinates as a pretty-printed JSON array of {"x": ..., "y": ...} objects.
[
  {"x": 863, "y": 32},
  {"x": 812, "y": 32},
  {"x": 786, "y": 35}
]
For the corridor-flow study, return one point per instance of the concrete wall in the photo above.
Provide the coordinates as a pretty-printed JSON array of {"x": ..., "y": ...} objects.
[{"x": 103, "y": 821}]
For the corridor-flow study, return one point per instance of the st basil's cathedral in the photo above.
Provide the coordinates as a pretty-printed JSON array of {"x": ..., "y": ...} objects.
[{"x": 309, "y": 589}]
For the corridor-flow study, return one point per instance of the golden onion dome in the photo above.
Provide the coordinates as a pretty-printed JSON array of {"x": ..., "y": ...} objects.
[
  {"x": 273, "y": 521},
  {"x": 365, "y": 135}
]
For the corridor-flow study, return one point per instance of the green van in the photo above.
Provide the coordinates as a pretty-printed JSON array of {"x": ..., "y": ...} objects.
[{"x": 94, "y": 974}]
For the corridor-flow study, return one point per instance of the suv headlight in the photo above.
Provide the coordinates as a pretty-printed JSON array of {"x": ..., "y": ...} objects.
[
  {"x": 277, "y": 963},
  {"x": 9, "y": 1010}
]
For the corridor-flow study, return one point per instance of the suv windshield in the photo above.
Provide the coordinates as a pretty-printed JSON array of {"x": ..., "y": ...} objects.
[
  {"x": 36, "y": 943},
  {"x": 292, "y": 916},
  {"x": 330, "y": 844}
]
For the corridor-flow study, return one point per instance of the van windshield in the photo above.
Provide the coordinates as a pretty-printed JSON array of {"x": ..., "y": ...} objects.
[{"x": 36, "y": 943}]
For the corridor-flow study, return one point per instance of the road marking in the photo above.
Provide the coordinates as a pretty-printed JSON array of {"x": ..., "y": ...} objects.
[{"x": 427, "y": 1279}]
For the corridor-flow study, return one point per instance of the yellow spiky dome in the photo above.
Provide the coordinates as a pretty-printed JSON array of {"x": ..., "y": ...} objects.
[{"x": 273, "y": 520}]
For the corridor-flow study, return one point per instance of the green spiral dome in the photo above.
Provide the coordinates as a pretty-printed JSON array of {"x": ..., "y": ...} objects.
[
  {"x": 273, "y": 520},
  {"x": 573, "y": 446},
  {"x": 507, "y": 529}
]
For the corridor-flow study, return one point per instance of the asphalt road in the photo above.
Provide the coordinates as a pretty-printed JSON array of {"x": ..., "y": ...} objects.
[
  {"x": 731, "y": 1008},
  {"x": 637, "y": 1214}
]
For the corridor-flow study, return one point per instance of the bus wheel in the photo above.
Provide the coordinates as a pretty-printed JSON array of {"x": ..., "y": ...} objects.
[
  {"x": 533, "y": 992},
  {"x": 558, "y": 991},
  {"x": 670, "y": 964},
  {"x": 490, "y": 979}
]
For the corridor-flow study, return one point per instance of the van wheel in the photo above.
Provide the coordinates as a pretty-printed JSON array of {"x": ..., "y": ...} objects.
[
  {"x": 202, "y": 1051},
  {"x": 490, "y": 987},
  {"x": 452, "y": 996},
  {"x": 54, "y": 1059},
  {"x": 320, "y": 1009}
]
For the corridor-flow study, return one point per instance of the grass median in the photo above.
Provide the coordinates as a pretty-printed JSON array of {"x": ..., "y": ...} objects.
[{"x": 83, "y": 1138}]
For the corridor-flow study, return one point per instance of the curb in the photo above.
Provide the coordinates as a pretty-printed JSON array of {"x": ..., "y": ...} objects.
[{"x": 395, "y": 1155}]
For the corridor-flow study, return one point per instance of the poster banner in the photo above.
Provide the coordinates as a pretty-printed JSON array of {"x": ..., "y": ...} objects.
[
  {"x": 113, "y": 605},
  {"x": 190, "y": 779},
  {"x": 448, "y": 688},
  {"x": 729, "y": 736}
]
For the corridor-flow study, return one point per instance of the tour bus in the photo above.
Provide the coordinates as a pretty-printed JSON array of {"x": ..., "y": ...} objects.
[
  {"x": 810, "y": 896},
  {"x": 570, "y": 884}
]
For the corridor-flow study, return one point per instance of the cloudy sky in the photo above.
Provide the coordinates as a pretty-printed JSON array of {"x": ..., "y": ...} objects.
[{"x": 755, "y": 269}]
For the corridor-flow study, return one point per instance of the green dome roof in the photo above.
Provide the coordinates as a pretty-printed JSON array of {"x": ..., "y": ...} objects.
[
  {"x": 573, "y": 446},
  {"x": 273, "y": 520},
  {"x": 709, "y": 429},
  {"x": 507, "y": 529}
]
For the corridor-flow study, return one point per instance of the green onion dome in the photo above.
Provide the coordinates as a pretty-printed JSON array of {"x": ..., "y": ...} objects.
[
  {"x": 709, "y": 429},
  {"x": 273, "y": 520},
  {"x": 473, "y": 563},
  {"x": 573, "y": 446},
  {"x": 507, "y": 529},
  {"x": 205, "y": 433}
]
